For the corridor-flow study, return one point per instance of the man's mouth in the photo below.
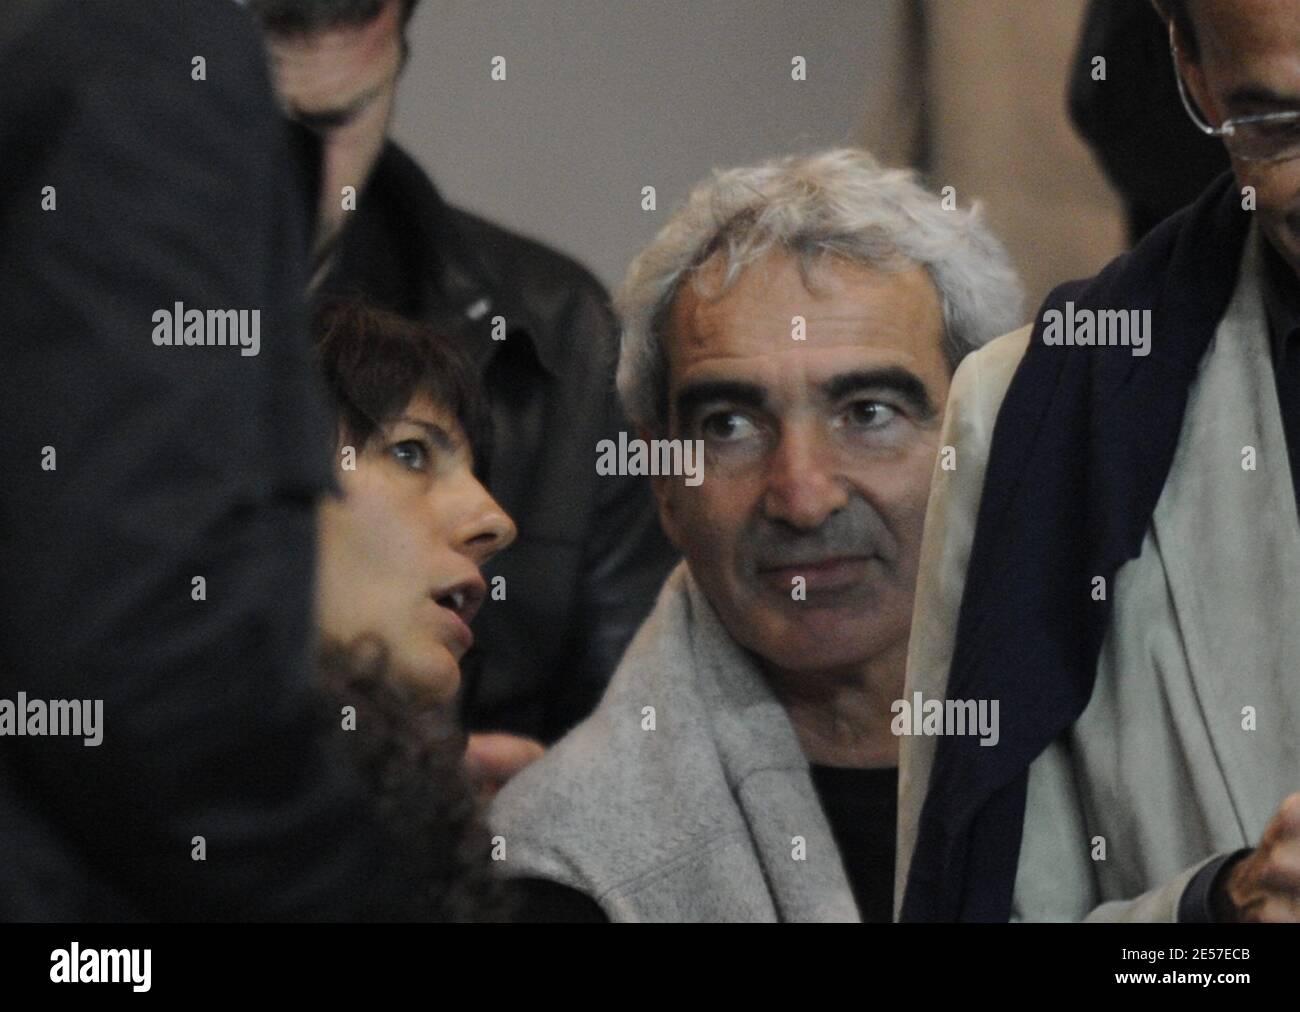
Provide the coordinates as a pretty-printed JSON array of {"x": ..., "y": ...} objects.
[{"x": 829, "y": 574}]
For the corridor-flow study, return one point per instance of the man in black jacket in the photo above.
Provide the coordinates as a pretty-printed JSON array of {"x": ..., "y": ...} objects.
[
  {"x": 157, "y": 512},
  {"x": 590, "y": 555}
]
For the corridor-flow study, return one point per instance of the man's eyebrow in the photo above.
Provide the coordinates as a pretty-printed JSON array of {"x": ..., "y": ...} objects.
[
  {"x": 328, "y": 119},
  {"x": 1256, "y": 95},
  {"x": 901, "y": 381},
  {"x": 441, "y": 438},
  {"x": 693, "y": 395}
]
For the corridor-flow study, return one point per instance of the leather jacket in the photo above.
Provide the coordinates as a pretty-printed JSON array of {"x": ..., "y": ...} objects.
[{"x": 590, "y": 555}]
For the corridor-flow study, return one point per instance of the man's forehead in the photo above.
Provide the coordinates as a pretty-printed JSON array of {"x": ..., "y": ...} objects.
[
  {"x": 845, "y": 310},
  {"x": 324, "y": 71},
  {"x": 800, "y": 373},
  {"x": 1232, "y": 30}
]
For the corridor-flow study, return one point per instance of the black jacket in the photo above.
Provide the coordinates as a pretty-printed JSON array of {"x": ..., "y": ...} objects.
[
  {"x": 590, "y": 555},
  {"x": 170, "y": 463}
]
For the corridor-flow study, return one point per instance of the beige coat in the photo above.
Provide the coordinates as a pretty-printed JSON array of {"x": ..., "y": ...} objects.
[{"x": 1192, "y": 737}]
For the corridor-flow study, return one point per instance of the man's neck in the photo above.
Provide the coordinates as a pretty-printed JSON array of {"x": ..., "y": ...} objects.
[
  {"x": 321, "y": 270},
  {"x": 842, "y": 716}
]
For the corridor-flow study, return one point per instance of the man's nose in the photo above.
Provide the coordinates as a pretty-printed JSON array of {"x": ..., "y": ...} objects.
[{"x": 802, "y": 483}]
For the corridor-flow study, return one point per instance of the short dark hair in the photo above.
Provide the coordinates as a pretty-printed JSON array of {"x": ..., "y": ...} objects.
[
  {"x": 1179, "y": 12},
  {"x": 375, "y": 362},
  {"x": 297, "y": 17}
]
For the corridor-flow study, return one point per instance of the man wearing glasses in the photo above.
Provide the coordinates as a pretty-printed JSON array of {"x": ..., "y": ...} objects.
[{"x": 1116, "y": 557}]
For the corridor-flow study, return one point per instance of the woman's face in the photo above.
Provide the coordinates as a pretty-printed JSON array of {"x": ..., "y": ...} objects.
[{"x": 400, "y": 550}]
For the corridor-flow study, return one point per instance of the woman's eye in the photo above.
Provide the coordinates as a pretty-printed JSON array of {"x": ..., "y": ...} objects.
[
  {"x": 413, "y": 453},
  {"x": 870, "y": 414},
  {"x": 726, "y": 427}
]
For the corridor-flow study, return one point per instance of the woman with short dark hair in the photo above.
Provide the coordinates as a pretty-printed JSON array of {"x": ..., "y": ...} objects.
[{"x": 402, "y": 543}]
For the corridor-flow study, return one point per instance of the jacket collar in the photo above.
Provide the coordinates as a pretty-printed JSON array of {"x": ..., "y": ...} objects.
[
  {"x": 1254, "y": 565},
  {"x": 765, "y": 768},
  {"x": 459, "y": 288}
]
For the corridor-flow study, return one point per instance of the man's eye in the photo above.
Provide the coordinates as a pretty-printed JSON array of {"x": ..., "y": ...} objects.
[
  {"x": 869, "y": 414},
  {"x": 1278, "y": 130},
  {"x": 726, "y": 427},
  {"x": 413, "y": 453}
]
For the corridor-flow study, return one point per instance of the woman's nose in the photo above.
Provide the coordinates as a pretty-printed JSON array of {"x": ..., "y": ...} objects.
[{"x": 488, "y": 529}]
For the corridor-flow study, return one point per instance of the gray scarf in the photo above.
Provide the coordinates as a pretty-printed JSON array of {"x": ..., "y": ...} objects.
[{"x": 710, "y": 816}]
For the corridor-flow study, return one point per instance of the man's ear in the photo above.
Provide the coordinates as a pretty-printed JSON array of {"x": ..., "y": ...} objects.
[
  {"x": 661, "y": 485},
  {"x": 1193, "y": 75}
]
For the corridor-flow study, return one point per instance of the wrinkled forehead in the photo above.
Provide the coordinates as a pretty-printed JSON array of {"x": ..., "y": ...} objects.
[{"x": 779, "y": 326}]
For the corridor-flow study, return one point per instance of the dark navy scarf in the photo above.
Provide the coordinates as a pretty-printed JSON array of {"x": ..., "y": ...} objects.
[{"x": 1081, "y": 449}]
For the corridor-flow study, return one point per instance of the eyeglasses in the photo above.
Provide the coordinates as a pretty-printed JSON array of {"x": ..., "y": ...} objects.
[{"x": 1268, "y": 137}]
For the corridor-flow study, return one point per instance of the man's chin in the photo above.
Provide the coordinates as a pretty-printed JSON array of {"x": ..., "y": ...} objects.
[
  {"x": 1292, "y": 251},
  {"x": 814, "y": 658},
  {"x": 812, "y": 644},
  {"x": 1284, "y": 235}
]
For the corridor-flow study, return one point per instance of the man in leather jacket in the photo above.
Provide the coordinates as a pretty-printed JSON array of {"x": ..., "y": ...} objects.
[{"x": 590, "y": 557}]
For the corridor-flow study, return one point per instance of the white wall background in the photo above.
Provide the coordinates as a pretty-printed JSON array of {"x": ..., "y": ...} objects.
[{"x": 603, "y": 97}]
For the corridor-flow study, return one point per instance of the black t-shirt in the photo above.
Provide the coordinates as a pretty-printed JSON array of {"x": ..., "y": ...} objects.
[{"x": 861, "y": 806}]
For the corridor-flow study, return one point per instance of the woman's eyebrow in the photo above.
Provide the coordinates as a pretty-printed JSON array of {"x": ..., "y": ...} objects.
[{"x": 441, "y": 438}]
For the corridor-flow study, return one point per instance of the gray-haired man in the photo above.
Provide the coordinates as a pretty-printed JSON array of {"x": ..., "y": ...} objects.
[{"x": 798, "y": 321}]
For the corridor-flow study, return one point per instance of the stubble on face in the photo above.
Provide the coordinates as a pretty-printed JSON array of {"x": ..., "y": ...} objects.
[{"x": 841, "y": 508}]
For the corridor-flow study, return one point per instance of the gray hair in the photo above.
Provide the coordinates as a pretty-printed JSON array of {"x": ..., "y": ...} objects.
[{"x": 840, "y": 203}]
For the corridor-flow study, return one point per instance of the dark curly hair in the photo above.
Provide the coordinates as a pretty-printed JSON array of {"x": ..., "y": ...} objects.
[{"x": 409, "y": 749}]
